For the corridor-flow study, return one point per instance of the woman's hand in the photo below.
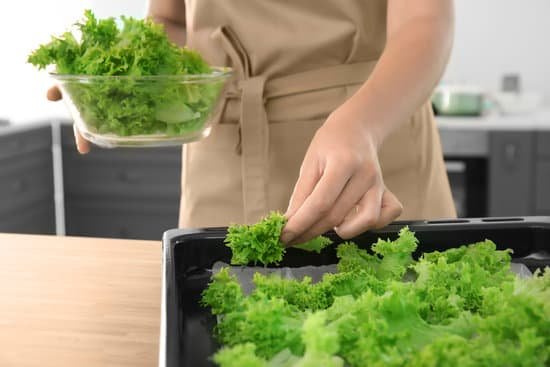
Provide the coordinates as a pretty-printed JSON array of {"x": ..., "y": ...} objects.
[
  {"x": 82, "y": 145},
  {"x": 340, "y": 184}
]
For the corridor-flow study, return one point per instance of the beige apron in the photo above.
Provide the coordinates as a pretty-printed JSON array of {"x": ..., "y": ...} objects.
[{"x": 295, "y": 62}]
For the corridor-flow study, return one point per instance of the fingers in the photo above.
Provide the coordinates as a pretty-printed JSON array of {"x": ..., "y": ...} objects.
[
  {"x": 374, "y": 211},
  {"x": 82, "y": 145},
  {"x": 365, "y": 215},
  {"x": 54, "y": 94},
  {"x": 318, "y": 203},
  {"x": 391, "y": 209},
  {"x": 309, "y": 176},
  {"x": 352, "y": 193}
]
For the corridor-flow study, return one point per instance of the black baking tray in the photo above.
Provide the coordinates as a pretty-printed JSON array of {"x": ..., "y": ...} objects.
[{"x": 188, "y": 255}]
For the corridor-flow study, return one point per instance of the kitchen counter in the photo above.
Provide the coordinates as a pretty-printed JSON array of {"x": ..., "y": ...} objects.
[
  {"x": 515, "y": 150},
  {"x": 68, "y": 301},
  {"x": 471, "y": 136},
  {"x": 539, "y": 120}
]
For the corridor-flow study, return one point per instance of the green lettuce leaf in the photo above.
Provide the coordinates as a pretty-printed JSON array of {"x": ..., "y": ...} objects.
[
  {"x": 241, "y": 355},
  {"x": 390, "y": 260},
  {"x": 257, "y": 243},
  {"x": 224, "y": 293},
  {"x": 316, "y": 244},
  {"x": 260, "y": 242}
]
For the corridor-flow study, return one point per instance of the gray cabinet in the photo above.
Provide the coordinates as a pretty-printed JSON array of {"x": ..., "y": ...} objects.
[
  {"x": 543, "y": 145},
  {"x": 511, "y": 172},
  {"x": 519, "y": 173},
  {"x": 542, "y": 177},
  {"x": 26, "y": 180},
  {"x": 121, "y": 193},
  {"x": 542, "y": 188}
]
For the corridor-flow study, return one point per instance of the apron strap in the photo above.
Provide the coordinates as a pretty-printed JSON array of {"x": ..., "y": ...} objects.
[
  {"x": 253, "y": 91},
  {"x": 255, "y": 149},
  {"x": 235, "y": 50},
  {"x": 254, "y": 131},
  {"x": 335, "y": 76}
]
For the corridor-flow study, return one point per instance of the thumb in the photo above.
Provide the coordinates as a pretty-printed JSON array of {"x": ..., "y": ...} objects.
[{"x": 54, "y": 94}]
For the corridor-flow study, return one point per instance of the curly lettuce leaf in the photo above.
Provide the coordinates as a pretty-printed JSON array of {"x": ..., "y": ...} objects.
[
  {"x": 385, "y": 329},
  {"x": 316, "y": 244},
  {"x": 224, "y": 293},
  {"x": 299, "y": 293},
  {"x": 260, "y": 242},
  {"x": 512, "y": 329},
  {"x": 351, "y": 283},
  {"x": 453, "y": 281},
  {"x": 351, "y": 258},
  {"x": 396, "y": 255},
  {"x": 257, "y": 243},
  {"x": 241, "y": 355},
  {"x": 321, "y": 343},
  {"x": 390, "y": 260},
  {"x": 307, "y": 296},
  {"x": 271, "y": 324}
]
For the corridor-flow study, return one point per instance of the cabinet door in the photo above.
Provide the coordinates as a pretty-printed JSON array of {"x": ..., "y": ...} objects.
[
  {"x": 121, "y": 193},
  {"x": 16, "y": 141},
  {"x": 123, "y": 172},
  {"x": 542, "y": 178},
  {"x": 542, "y": 190},
  {"x": 543, "y": 144},
  {"x": 120, "y": 217},
  {"x": 26, "y": 180},
  {"x": 511, "y": 171},
  {"x": 38, "y": 218}
]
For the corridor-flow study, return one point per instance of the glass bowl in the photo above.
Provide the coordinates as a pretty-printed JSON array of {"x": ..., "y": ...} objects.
[{"x": 156, "y": 110}]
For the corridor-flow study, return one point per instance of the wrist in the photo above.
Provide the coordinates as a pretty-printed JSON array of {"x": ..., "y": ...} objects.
[{"x": 356, "y": 118}]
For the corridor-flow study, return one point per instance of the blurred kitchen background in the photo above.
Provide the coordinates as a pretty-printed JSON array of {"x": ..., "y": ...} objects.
[{"x": 493, "y": 107}]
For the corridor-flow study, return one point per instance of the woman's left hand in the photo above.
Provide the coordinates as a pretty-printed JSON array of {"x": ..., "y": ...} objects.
[{"x": 340, "y": 184}]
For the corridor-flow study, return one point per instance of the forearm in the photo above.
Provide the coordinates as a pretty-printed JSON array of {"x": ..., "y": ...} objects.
[
  {"x": 410, "y": 66},
  {"x": 175, "y": 31},
  {"x": 170, "y": 13}
]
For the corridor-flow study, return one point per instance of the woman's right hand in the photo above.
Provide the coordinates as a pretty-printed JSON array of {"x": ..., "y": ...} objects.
[{"x": 82, "y": 145}]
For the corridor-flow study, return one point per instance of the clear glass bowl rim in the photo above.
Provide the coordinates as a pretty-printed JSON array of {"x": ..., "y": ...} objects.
[{"x": 218, "y": 73}]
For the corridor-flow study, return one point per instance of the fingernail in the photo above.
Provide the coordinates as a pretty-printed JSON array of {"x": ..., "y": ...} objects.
[{"x": 287, "y": 236}]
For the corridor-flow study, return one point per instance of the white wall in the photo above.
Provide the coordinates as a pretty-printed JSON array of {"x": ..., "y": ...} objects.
[
  {"x": 494, "y": 37},
  {"x": 24, "y": 24}
]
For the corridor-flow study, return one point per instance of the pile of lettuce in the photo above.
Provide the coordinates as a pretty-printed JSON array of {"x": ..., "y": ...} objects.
[
  {"x": 117, "y": 101},
  {"x": 460, "y": 307}
]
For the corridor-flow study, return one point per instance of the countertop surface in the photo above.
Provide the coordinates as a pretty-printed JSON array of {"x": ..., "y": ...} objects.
[
  {"x": 68, "y": 301},
  {"x": 539, "y": 120}
]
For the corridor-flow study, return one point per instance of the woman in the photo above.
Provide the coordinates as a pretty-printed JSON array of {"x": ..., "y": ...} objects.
[{"x": 328, "y": 112}]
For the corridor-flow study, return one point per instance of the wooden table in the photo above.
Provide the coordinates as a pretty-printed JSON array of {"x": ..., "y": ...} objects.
[{"x": 67, "y": 301}]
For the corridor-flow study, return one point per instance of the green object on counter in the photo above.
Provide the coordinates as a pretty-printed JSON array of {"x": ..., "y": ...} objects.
[{"x": 448, "y": 101}]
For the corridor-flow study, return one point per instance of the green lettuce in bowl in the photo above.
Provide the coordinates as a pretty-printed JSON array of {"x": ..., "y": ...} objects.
[{"x": 130, "y": 85}]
